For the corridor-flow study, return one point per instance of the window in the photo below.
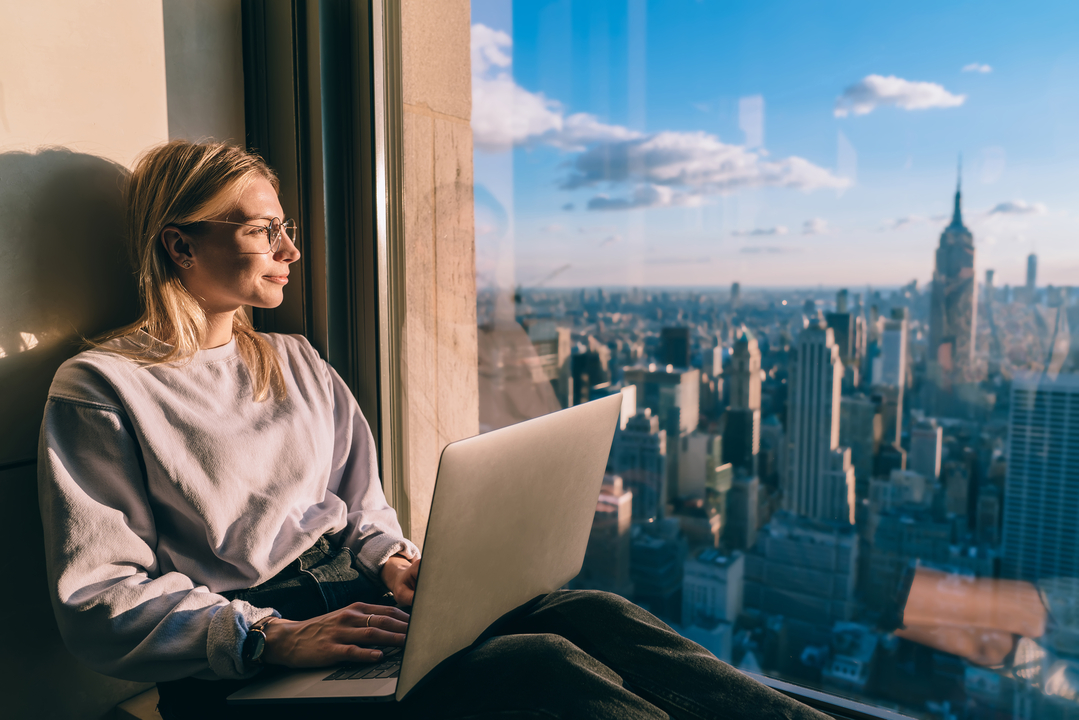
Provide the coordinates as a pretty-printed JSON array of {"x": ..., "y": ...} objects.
[{"x": 805, "y": 244}]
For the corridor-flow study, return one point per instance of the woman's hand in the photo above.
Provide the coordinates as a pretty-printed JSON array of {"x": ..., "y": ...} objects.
[
  {"x": 336, "y": 637},
  {"x": 399, "y": 575}
]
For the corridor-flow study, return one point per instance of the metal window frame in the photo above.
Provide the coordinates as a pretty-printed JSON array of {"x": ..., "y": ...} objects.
[{"x": 323, "y": 107}]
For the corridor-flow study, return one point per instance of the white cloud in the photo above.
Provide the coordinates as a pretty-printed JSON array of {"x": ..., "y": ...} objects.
[
  {"x": 694, "y": 161},
  {"x": 815, "y": 226},
  {"x": 489, "y": 48},
  {"x": 663, "y": 169},
  {"x": 758, "y": 232},
  {"x": 611, "y": 240},
  {"x": 646, "y": 195},
  {"x": 554, "y": 228},
  {"x": 978, "y": 68},
  {"x": 504, "y": 114},
  {"x": 580, "y": 130},
  {"x": 1018, "y": 207},
  {"x": 875, "y": 91}
]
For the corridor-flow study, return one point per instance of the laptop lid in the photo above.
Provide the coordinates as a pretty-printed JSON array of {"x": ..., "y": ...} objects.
[{"x": 510, "y": 518}]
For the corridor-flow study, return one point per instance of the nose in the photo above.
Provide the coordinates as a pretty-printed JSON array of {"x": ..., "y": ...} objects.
[{"x": 288, "y": 252}]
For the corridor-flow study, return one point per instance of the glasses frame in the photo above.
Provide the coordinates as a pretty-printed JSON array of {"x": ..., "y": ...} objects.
[{"x": 273, "y": 234}]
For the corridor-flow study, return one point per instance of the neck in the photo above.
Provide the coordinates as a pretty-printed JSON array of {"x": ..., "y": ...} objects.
[{"x": 218, "y": 329}]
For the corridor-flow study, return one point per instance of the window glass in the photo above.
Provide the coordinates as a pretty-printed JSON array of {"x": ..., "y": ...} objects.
[{"x": 826, "y": 253}]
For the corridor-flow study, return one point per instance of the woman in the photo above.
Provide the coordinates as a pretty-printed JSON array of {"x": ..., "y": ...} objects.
[{"x": 211, "y": 500}]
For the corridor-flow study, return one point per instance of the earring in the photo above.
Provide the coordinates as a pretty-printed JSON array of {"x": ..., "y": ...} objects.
[{"x": 186, "y": 264}]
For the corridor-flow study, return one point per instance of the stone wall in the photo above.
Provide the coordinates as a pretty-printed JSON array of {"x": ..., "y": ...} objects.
[{"x": 440, "y": 339}]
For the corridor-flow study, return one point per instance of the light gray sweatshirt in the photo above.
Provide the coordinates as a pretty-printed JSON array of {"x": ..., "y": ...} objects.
[{"x": 162, "y": 486}]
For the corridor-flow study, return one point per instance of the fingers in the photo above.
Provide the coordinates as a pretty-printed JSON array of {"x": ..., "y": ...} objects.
[
  {"x": 365, "y": 609},
  {"x": 369, "y": 636},
  {"x": 384, "y": 622},
  {"x": 354, "y": 653}
]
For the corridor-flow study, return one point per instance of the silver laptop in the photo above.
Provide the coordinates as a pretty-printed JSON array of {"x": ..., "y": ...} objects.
[{"x": 509, "y": 523}]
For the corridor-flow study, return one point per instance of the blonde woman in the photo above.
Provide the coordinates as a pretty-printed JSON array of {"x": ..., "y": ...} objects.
[{"x": 211, "y": 500}]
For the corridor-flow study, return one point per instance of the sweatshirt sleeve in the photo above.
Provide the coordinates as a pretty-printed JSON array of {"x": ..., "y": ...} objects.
[
  {"x": 372, "y": 533},
  {"x": 115, "y": 610}
]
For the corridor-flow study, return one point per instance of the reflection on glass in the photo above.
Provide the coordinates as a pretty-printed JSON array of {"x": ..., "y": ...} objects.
[{"x": 827, "y": 471}]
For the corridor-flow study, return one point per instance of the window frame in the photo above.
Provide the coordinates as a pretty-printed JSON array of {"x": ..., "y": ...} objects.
[{"x": 341, "y": 59}]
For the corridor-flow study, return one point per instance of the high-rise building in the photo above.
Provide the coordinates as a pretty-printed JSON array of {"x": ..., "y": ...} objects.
[
  {"x": 712, "y": 587},
  {"x": 989, "y": 285},
  {"x": 657, "y": 557},
  {"x": 860, "y": 429},
  {"x": 743, "y": 500},
  {"x": 1041, "y": 490},
  {"x": 926, "y": 443},
  {"x": 820, "y": 478},
  {"x": 1032, "y": 276},
  {"x": 893, "y": 351},
  {"x": 640, "y": 457},
  {"x": 953, "y": 307},
  {"x": 841, "y": 301},
  {"x": 741, "y": 438},
  {"x": 987, "y": 520},
  {"x": 736, "y": 295},
  {"x": 606, "y": 561},
  {"x": 674, "y": 347},
  {"x": 662, "y": 389},
  {"x": 842, "y": 325},
  {"x": 590, "y": 370},
  {"x": 804, "y": 570}
]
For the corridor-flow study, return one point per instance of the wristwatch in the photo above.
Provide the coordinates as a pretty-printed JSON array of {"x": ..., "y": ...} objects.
[{"x": 255, "y": 643}]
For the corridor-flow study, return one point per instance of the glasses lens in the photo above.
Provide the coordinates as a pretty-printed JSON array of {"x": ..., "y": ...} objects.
[{"x": 293, "y": 231}]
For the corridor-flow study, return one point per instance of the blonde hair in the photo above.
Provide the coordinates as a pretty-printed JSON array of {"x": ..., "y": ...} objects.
[{"x": 181, "y": 183}]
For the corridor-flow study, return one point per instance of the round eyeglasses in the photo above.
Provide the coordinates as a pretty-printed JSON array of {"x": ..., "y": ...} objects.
[{"x": 273, "y": 231}]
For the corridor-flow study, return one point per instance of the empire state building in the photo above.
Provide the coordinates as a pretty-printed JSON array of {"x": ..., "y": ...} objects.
[{"x": 953, "y": 313}]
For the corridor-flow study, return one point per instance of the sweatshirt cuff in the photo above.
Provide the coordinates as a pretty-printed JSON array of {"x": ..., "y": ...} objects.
[
  {"x": 377, "y": 549},
  {"x": 225, "y": 640}
]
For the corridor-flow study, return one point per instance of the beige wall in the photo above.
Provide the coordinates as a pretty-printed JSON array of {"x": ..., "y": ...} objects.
[
  {"x": 85, "y": 86},
  {"x": 440, "y": 337}
]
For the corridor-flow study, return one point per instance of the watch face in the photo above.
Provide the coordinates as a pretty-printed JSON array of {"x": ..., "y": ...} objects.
[{"x": 255, "y": 644}]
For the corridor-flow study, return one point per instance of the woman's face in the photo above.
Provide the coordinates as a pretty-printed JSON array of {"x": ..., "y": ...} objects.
[{"x": 231, "y": 264}]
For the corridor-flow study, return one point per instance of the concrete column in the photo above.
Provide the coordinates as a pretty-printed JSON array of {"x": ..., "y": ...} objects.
[{"x": 440, "y": 336}]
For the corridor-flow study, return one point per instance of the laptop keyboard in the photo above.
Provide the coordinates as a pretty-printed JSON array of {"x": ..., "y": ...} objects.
[{"x": 389, "y": 667}]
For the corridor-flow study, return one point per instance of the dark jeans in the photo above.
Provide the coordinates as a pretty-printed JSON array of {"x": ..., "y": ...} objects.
[{"x": 575, "y": 654}]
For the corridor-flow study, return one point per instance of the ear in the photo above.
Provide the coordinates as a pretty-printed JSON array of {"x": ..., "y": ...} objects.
[{"x": 178, "y": 245}]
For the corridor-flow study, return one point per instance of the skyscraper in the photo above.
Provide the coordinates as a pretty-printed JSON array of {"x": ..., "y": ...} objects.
[
  {"x": 640, "y": 457},
  {"x": 736, "y": 295},
  {"x": 860, "y": 429},
  {"x": 841, "y": 301},
  {"x": 742, "y": 437},
  {"x": 893, "y": 351},
  {"x": 820, "y": 478},
  {"x": 953, "y": 309},
  {"x": 1041, "y": 489},
  {"x": 926, "y": 440},
  {"x": 1032, "y": 276},
  {"x": 674, "y": 347}
]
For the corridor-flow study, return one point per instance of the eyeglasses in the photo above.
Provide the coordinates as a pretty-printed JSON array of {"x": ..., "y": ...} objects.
[{"x": 273, "y": 231}]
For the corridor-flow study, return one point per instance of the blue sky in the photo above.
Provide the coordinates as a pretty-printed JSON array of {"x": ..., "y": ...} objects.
[{"x": 780, "y": 143}]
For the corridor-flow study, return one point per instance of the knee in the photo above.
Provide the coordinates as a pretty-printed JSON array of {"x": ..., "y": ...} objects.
[
  {"x": 541, "y": 653},
  {"x": 599, "y": 603}
]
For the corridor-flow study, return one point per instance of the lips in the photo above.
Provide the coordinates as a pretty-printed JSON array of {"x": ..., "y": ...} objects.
[{"x": 280, "y": 279}]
